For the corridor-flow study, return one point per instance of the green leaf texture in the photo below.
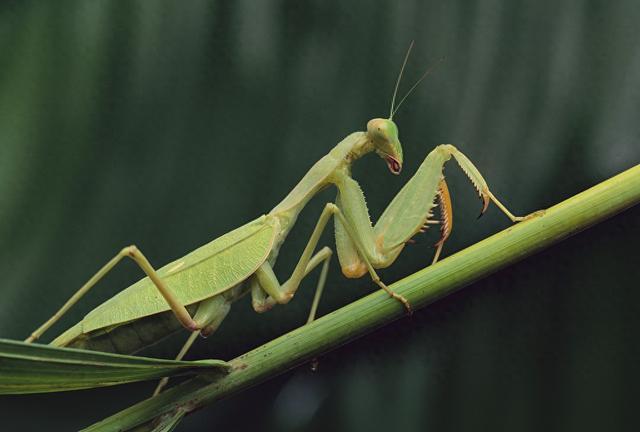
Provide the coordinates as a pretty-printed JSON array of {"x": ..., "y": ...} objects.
[{"x": 36, "y": 368}]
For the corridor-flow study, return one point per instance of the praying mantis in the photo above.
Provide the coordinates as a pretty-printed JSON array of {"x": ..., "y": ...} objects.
[{"x": 196, "y": 291}]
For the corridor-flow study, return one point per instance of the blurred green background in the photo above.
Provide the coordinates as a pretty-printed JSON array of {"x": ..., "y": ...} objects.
[{"x": 166, "y": 124}]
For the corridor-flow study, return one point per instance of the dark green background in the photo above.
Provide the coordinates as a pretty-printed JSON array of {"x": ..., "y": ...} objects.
[{"x": 166, "y": 124}]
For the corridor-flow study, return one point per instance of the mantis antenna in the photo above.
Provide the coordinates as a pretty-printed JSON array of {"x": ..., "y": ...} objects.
[
  {"x": 424, "y": 75},
  {"x": 395, "y": 91}
]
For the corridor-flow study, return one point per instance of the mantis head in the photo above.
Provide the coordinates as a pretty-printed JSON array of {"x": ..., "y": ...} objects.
[{"x": 383, "y": 133}]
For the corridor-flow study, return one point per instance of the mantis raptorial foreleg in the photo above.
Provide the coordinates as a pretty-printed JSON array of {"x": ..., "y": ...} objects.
[
  {"x": 407, "y": 214},
  {"x": 446, "y": 216},
  {"x": 352, "y": 232},
  {"x": 137, "y": 256}
]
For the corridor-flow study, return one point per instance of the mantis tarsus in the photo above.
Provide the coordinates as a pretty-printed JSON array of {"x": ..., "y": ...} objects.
[{"x": 196, "y": 291}]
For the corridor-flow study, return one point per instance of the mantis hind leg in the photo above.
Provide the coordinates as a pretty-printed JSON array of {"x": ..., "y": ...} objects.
[
  {"x": 183, "y": 351},
  {"x": 136, "y": 255},
  {"x": 210, "y": 314}
]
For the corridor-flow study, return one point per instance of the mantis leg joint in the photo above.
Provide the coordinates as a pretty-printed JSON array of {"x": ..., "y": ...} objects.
[
  {"x": 332, "y": 208},
  {"x": 130, "y": 251}
]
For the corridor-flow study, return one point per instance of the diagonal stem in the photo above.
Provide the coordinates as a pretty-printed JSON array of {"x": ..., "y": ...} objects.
[{"x": 375, "y": 310}]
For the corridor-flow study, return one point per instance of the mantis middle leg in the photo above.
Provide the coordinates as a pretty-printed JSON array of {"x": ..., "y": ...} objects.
[
  {"x": 262, "y": 301},
  {"x": 267, "y": 281},
  {"x": 267, "y": 291}
]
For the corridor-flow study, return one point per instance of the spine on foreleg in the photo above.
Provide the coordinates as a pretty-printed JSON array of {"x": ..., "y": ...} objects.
[{"x": 413, "y": 205}]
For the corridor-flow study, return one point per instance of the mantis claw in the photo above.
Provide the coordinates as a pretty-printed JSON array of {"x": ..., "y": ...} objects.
[
  {"x": 402, "y": 300},
  {"x": 485, "y": 203},
  {"x": 530, "y": 216},
  {"x": 394, "y": 295}
]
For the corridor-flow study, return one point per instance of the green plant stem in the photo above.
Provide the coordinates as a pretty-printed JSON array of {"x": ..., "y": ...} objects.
[{"x": 356, "y": 319}]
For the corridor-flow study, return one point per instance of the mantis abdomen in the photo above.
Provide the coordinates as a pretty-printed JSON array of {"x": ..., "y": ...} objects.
[{"x": 125, "y": 338}]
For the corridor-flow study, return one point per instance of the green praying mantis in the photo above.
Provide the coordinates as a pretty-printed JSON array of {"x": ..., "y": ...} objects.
[{"x": 197, "y": 290}]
